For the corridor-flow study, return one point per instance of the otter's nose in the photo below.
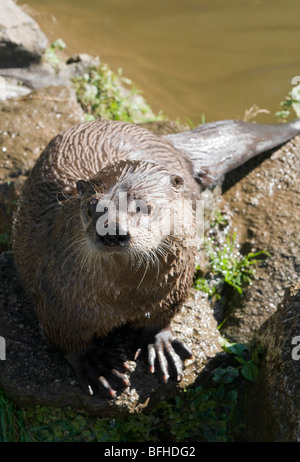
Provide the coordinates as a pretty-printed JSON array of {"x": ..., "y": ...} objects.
[{"x": 113, "y": 239}]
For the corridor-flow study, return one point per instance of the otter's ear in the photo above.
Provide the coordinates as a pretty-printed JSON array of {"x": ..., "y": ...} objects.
[
  {"x": 177, "y": 182},
  {"x": 82, "y": 186}
]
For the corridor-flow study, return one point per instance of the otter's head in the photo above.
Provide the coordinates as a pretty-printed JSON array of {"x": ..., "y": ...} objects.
[{"x": 133, "y": 207}]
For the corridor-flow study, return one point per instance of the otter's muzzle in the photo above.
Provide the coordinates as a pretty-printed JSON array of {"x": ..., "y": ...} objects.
[{"x": 114, "y": 239}]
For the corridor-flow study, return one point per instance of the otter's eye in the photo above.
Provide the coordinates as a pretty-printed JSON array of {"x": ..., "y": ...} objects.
[
  {"x": 177, "y": 181},
  {"x": 91, "y": 205}
]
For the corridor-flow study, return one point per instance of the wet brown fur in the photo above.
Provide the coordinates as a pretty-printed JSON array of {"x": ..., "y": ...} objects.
[{"x": 80, "y": 292}]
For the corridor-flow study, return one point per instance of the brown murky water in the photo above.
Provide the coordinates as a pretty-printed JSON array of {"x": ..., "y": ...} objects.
[{"x": 190, "y": 57}]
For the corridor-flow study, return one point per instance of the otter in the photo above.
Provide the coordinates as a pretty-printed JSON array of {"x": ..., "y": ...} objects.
[{"x": 96, "y": 249}]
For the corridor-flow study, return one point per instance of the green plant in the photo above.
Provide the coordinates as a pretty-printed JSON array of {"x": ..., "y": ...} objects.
[
  {"x": 5, "y": 239},
  {"x": 107, "y": 95},
  {"x": 201, "y": 415},
  {"x": 292, "y": 101},
  {"x": 51, "y": 52},
  {"x": 219, "y": 219},
  {"x": 227, "y": 265},
  {"x": 188, "y": 123},
  {"x": 12, "y": 421},
  {"x": 230, "y": 264},
  {"x": 196, "y": 415},
  {"x": 247, "y": 359}
]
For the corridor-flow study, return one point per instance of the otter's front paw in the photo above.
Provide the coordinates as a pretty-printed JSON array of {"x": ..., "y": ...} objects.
[
  {"x": 165, "y": 351},
  {"x": 99, "y": 371}
]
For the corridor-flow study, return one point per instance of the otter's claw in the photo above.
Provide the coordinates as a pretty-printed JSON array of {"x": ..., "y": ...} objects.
[
  {"x": 99, "y": 371},
  {"x": 164, "y": 350}
]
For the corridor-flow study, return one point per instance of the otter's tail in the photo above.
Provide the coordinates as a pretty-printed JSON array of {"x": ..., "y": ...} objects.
[{"x": 218, "y": 147}]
